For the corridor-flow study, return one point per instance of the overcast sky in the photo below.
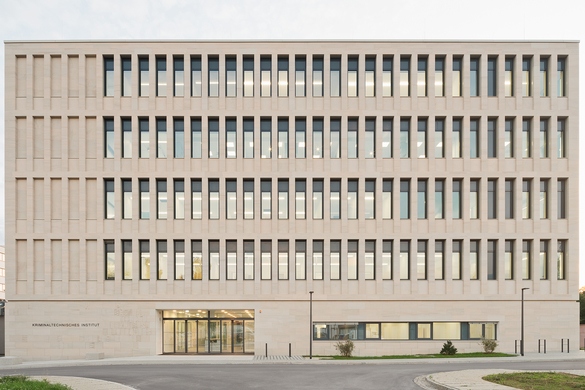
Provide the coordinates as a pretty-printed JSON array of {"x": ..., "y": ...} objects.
[{"x": 285, "y": 19}]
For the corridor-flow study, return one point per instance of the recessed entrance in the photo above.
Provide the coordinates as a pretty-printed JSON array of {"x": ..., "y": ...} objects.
[{"x": 208, "y": 331}]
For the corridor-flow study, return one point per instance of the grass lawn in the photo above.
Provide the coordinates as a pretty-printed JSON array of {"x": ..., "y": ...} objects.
[
  {"x": 539, "y": 380},
  {"x": 19, "y": 382},
  {"x": 434, "y": 355}
]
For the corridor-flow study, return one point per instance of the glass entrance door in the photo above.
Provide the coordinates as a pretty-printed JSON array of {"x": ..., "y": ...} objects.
[
  {"x": 191, "y": 336},
  {"x": 203, "y": 337},
  {"x": 238, "y": 327},
  {"x": 226, "y": 336},
  {"x": 214, "y": 336},
  {"x": 180, "y": 336}
]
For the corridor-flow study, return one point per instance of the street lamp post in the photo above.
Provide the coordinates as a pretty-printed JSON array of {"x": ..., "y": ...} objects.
[
  {"x": 311, "y": 321},
  {"x": 522, "y": 325}
]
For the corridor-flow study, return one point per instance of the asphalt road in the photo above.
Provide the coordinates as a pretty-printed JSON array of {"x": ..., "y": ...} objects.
[{"x": 277, "y": 376}]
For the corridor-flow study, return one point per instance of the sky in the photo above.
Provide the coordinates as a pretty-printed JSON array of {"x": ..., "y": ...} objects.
[{"x": 298, "y": 19}]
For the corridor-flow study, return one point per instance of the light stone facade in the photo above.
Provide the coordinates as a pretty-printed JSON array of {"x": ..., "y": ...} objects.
[{"x": 56, "y": 225}]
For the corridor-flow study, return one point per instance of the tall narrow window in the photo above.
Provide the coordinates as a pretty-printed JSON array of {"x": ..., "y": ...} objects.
[
  {"x": 248, "y": 137},
  {"x": 127, "y": 199},
  {"x": 509, "y": 260},
  {"x": 543, "y": 260},
  {"x": 282, "y": 198},
  {"x": 179, "y": 259},
  {"x": 266, "y": 197},
  {"x": 352, "y": 199},
  {"x": 231, "y": 138},
  {"x": 404, "y": 199},
  {"x": 300, "y": 76},
  {"x": 161, "y": 138},
  {"x": 352, "y": 76},
  {"x": 439, "y": 138},
  {"x": 474, "y": 138},
  {"x": 265, "y": 76},
  {"x": 492, "y": 73},
  {"x": 248, "y": 259},
  {"x": 370, "y": 200},
  {"x": 439, "y": 76},
  {"x": 370, "y": 89},
  {"x": 248, "y": 198},
  {"x": 561, "y": 77},
  {"x": 300, "y": 199},
  {"x": 474, "y": 259},
  {"x": 544, "y": 76},
  {"x": 143, "y": 76},
  {"x": 387, "y": 138},
  {"x": 230, "y": 76},
  {"x": 456, "y": 139},
  {"x": 317, "y": 138},
  {"x": 526, "y": 184},
  {"x": 144, "y": 259},
  {"x": 421, "y": 139},
  {"x": 196, "y": 137},
  {"x": 266, "y": 138},
  {"x": 492, "y": 138},
  {"x": 421, "y": 260},
  {"x": 108, "y": 76},
  {"x": 317, "y": 199},
  {"x": 126, "y": 138},
  {"x": 387, "y": 199},
  {"x": 144, "y": 138},
  {"x": 561, "y": 150},
  {"x": 144, "y": 199},
  {"x": 421, "y": 199},
  {"x": 197, "y": 259},
  {"x": 127, "y": 259},
  {"x": 421, "y": 79},
  {"x": 352, "y": 260},
  {"x": 213, "y": 76},
  {"x": 196, "y": 198},
  {"x": 404, "y": 138},
  {"x": 561, "y": 244},
  {"x": 509, "y": 198},
  {"x": 543, "y": 138},
  {"x": 179, "y": 199},
  {"x": 526, "y": 139},
  {"x": 456, "y": 260},
  {"x": 526, "y": 77},
  {"x": 109, "y": 138},
  {"x": 492, "y": 199},
  {"x": 474, "y": 76},
  {"x": 405, "y": 76},
  {"x": 179, "y": 138},
  {"x": 370, "y": 260},
  {"x": 335, "y": 76},
  {"x": 561, "y": 199},
  {"x": 266, "y": 260},
  {"x": 179, "y": 76},
  {"x": 317, "y": 76},
  {"x": 300, "y": 137},
  {"x": 300, "y": 260},
  {"x": 231, "y": 199},
  {"x": 491, "y": 259},
  {"x": 387, "y": 76},
  {"x": 457, "y": 197},
  {"x": 282, "y": 259},
  {"x": 231, "y": 258},
  {"x": 474, "y": 199},
  {"x": 370, "y": 144},
  {"x": 352, "y": 138},
  {"x": 161, "y": 250},
  {"x": 318, "y": 260},
  {"x": 439, "y": 199},
  {"x": 213, "y": 141},
  {"x": 526, "y": 260},
  {"x": 213, "y": 259},
  {"x": 126, "y": 76},
  {"x": 110, "y": 260},
  {"x": 161, "y": 76},
  {"x": 282, "y": 137},
  {"x": 213, "y": 199},
  {"x": 543, "y": 199},
  {"x": 110, "y": 199},
  {"x": 457, "y": 76},
  {"x": 509, "y": 138},
  {"x": 404, "y": 259},
  {"x": 387, "y": 259},
  {"x": 161, "y": 196},
  {"x": 335, "y": 199},
  {"x": 196, "y": 76},
  {"x": 509, "y": 76},
  {"x": 439, "y": 260},
  {"x": 335, "y": 138},
  {"x": 248, "y": 68},
  {"x": 283, "y": 76}
]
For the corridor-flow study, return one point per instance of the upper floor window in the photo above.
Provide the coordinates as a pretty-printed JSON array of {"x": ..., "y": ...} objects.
[
  {"x": 196, "y": 76},
  {"x": 492, "y": 80},
  {"x": 317, "y": 76},
  {"x": 109, "y": 138},
  {"x": 283, "y": 76},
  {"x": 509, "y": 76},
  {"x": 526, "y": 76},
  {"x": 352, "y": 76},
  {"x": 265, "y": 76},
  {"x": 474, "y": 76},
  {"x": 230, "y": 76},
  {"x": 561, "y": 77},
  {"x": 457, "y": 75},
  {"x": 421, "y": 80},
  {"x": 143, "y": 76},
  {"x": 352, "y": 138},
  {"x": 248, "y": 69},
  {"x": 439, "y": 76},
  {"x": 179, "y": 76},
  {"x": 544, "y": 76},
  {"x": 300, "y": 75},
  {"x": 213, "y": 76},
  {"x": 370, "y": 76},
  {"x": 387, "y": 76},
  {"x": 126, "y": 76},
  {"x": 404, "y": 76},
  {"x": 335, "y": 82},
  {"x": 161, "y": 76},
  {"x": 108, "y": 76}
]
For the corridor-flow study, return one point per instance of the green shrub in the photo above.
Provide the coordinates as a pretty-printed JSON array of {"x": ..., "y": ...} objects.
[
  {"x": 345, "y": 348},
  {"x": 488, "y": 345},
  {"x": 20, "y": 382},
  {"x": 448, "y": 348}
]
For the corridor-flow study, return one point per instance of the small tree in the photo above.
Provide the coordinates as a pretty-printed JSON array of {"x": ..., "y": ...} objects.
[
  {"x": 345, "y": 348},
  {"x": 582, "y": 307},
  {"x": 488, "y": 345},
  {"x": 448, "y": 348}
]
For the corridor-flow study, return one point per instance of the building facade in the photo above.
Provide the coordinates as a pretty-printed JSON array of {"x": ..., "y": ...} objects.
[{"x": 185, "y": 197}]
